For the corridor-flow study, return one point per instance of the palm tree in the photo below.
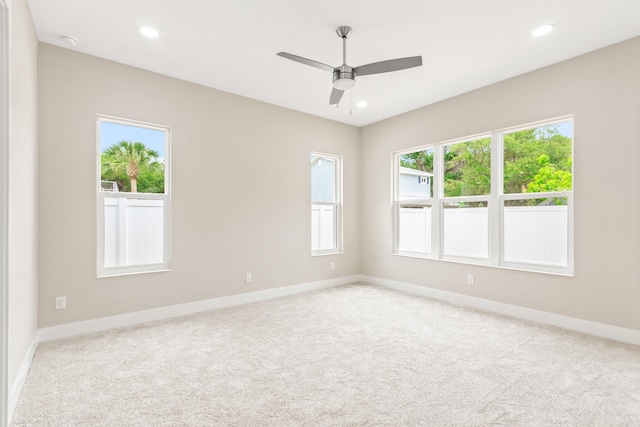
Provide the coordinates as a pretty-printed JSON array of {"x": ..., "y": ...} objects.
[{"x": 130, "y": 158}]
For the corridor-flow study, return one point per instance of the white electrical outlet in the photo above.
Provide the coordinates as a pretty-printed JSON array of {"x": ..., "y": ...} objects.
[
  {"x": 247, "y": 277},
  {"x": 333, "y": 265},
  {"x": 61, "y": 302},
  {"x": 471, "y": 280}
]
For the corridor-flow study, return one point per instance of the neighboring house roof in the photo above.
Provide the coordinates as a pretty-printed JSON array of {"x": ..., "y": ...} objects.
[
  {"x": 315, "y": 159},
  {"x": 414, "y": 172}
]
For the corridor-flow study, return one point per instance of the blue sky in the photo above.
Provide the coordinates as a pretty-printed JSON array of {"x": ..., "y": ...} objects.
[
  {"x": 112, "y": 133},
  {"x": 566, "y": 129}
]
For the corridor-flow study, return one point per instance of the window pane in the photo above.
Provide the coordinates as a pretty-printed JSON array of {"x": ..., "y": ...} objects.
[
  {"x": 539, "y": 159},
  {"x": 323, "y": 179},
  {"x": 415, "y": 175},
  {"x": 466, "y": 229},
  {"x": 467, "y": 168},
  {"x": 132, "y": 158},
  {"x": 323, "y": 227},
  {"x": 133, "y": 232},
  {"x": 535, "y": 231},
  {"x": 414, "y": 228}
]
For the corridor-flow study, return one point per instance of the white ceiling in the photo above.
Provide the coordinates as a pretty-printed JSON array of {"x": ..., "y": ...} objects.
[{"x": 231, "y": 45}]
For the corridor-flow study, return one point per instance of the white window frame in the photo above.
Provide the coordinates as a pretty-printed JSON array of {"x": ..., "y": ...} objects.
[
  {"x": 337, "y": 204},
  {"x": 424, "y": 202},
  {"x": 164, "y": 197},
  {"x": 442, "y": 200},
  {"x": 495, "y": 202}
]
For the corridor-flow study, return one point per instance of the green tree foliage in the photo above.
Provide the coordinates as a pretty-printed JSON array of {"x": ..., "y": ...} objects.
[
  {"x": 419, "y": 160},
  {"x": 549, "y": 178},
  {"x": 152, "y": 180},
  {"x": 467, "y": 168},
  {"x": 535, "y": 160},
  {"x": 527, "y": 152},
  {"x": 134, "y": 167}
]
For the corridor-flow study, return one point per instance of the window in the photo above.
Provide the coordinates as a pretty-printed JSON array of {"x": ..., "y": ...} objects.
[
  {"x": 133, "y": 197},
  {"x": 466, "y": 167},
  {"x": 326, "y": 204},
  {"x": 537, "y": 187},
  {"x": 503, "y": 199},
  {"x": 414, "y": 201}
]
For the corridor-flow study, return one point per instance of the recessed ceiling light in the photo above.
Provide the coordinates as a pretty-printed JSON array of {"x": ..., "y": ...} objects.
[
  {"x": 542, "y": 30},
  {"x": 149, "y": 32},
  {"x": 361, "y": 104},
  {"x": 70, "y": 40}
]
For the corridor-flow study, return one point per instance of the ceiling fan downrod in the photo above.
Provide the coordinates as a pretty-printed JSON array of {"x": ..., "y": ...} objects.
[{"x": 343, "y": 77}]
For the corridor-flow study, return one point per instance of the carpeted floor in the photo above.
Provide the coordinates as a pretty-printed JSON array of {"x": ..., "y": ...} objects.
[{"x": 354, "y": 355}]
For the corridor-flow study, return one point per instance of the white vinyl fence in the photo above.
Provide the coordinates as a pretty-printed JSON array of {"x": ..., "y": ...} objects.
[
  {"x": 414, "y": 229},
  {"x": 134, "y": 231},
  {"x": 532, "y": 234},
  {"x": 323, "y": 222},
  {"x": 466, "y": 232},
  {"x": 536, "y": 234}
]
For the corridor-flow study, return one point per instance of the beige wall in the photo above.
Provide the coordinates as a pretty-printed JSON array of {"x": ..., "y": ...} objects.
[
  {"x": 602, "y": 89},
  {"x": 258, "y": 221},
  {"x": 240, "y": 189},
  {"x": 22, "y": 268}
]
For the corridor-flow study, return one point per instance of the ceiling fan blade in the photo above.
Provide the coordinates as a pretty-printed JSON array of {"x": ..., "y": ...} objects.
[
  {"x": 336, "y": 96},
  {"x": 389, "y": 65},
  {"x": 306, "y": 61}
]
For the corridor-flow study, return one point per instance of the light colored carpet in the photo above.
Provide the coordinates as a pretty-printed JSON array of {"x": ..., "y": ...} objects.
[{"x": 355, "y": 355}]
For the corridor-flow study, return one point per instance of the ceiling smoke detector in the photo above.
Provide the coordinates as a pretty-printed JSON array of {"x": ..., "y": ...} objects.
[{"x": 70, "y": 40}]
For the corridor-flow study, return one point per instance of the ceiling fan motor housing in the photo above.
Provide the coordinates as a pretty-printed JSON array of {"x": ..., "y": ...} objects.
[{"x": 344, "y": 78}]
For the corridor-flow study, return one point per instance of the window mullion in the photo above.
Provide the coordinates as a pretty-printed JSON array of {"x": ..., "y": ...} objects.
[
  {"x": 436, "y": 208},
  {"x": 495, "y": 208}
]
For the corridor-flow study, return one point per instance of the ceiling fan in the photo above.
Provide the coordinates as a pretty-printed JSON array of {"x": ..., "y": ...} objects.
[{"x": 344, "y": 76}]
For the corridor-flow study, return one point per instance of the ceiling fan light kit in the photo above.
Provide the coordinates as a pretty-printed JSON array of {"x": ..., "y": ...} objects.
[{"x": 344, "y": 76}]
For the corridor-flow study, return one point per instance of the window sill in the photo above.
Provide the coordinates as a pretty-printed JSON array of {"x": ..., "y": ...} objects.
[
  {"x": 558, "y": 271},
  {"x": 105, "y": 274},
  {"x": 326, "y": 253}
]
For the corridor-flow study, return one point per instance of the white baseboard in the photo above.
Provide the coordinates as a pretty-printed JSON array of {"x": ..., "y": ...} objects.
[
  {"x": 18, "y": 383},
  {"x": 631, "y": 336},
  {"x": 617, "y": 333},
  {"x": 104, "y": 323}
]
